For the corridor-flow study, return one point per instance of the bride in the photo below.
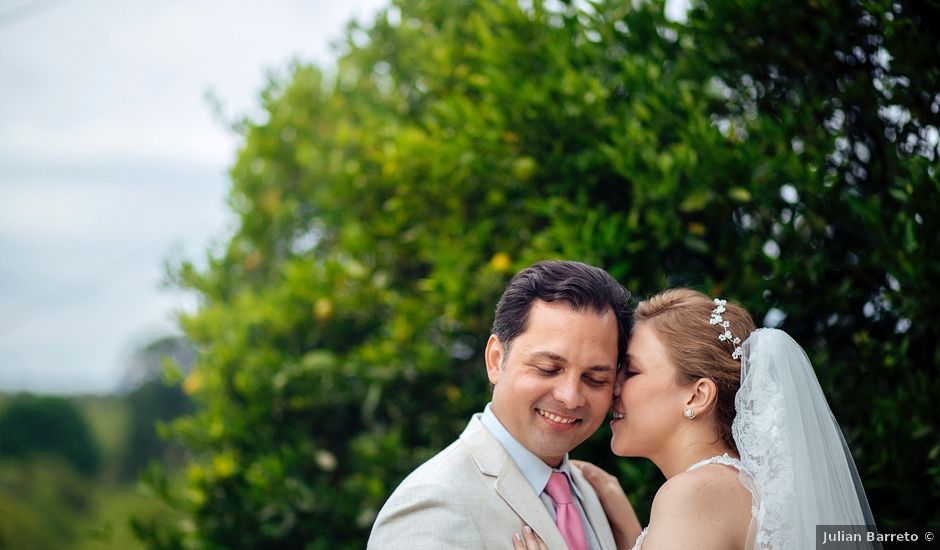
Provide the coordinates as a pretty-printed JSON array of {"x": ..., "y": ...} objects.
[{"x": 737, "y": 423}]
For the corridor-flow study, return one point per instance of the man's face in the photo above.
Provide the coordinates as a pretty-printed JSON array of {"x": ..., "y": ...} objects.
[{"x": 556, "y": 385}]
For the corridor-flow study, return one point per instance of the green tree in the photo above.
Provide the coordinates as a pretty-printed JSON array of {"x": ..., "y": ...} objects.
[
  {"x": 32, "y": 425},
  {"x": 844, "y": 98},
  {"x": 382, "y": 209}
]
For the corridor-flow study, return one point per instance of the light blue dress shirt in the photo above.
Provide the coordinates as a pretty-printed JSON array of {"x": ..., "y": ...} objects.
[{"x": 537, "y": 472}]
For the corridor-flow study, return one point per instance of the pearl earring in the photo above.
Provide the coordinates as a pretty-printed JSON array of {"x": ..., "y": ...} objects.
[{"x": 689, "y": 413}]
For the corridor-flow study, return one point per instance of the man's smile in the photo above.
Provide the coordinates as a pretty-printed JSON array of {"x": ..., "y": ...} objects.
[{"x": 557, "y": 418}]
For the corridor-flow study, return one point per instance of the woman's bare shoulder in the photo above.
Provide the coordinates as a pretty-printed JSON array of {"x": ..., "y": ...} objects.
[
  {"x": 705, "y": 508},
  {"x": 717, "y": 478}
]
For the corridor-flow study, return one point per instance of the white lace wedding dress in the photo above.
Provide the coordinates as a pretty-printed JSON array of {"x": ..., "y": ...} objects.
[{"x": 794, "y": 459}]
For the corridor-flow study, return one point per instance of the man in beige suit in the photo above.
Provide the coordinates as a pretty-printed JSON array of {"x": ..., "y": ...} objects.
[{"x": 558, "y": 336}]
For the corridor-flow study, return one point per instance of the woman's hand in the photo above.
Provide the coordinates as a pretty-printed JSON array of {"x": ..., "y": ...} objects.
[
  {"x": 527, "y": 540},
  {"x": 620, "y": 514}
]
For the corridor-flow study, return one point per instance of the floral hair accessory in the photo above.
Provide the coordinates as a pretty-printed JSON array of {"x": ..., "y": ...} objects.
[{"x": 725, "y": 335}]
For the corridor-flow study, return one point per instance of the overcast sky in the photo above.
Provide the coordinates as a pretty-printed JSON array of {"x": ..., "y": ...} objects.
[{"x": 111, "y": 161}]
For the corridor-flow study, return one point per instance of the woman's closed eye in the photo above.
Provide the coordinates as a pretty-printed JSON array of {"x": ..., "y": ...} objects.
[{"x": 626, "y": 374}]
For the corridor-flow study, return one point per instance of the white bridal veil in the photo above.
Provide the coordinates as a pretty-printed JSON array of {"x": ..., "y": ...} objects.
[{"x": 789, "y": 441}]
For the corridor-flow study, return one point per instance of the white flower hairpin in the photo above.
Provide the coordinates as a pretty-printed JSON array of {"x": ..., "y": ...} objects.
[{"x": 725, "y": 335}]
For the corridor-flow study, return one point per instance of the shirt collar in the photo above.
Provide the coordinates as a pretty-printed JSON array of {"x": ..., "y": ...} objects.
[{"x": 533, "y": 469}]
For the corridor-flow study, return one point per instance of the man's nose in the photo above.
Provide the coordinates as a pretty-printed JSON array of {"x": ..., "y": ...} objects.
[{"x": 569, "y": 393}]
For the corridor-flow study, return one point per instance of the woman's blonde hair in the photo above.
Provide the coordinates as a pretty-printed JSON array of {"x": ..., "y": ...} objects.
[{"x": 680, "y": 318}]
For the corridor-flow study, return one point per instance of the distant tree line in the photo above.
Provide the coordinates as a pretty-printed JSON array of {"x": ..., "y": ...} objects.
[
  {"x": 44, "y": 425},
  {"x": 58, "y": 467}
]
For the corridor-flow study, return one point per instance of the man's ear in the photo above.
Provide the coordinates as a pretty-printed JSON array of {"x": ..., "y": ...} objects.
[
  {"x": 494, "y": 358},
  {"x": 702, "y": 397}
]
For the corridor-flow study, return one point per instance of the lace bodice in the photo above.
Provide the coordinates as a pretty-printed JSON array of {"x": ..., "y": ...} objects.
[{"x": 725, "y": 460}]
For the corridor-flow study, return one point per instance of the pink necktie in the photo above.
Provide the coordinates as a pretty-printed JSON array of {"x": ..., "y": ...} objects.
[{"x": 566, "y": 514}]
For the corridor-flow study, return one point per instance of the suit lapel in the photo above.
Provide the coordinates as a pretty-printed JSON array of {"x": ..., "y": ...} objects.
[
  {"x": 515, "y": 489},
  {"x": 511, "y": 485}
]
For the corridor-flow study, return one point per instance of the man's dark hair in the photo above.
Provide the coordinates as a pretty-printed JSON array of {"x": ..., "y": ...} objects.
[{"x": 579, "y": 285}]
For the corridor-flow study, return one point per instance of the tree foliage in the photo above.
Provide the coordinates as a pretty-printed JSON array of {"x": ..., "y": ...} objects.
[
  {"x": 780, "y": 154},
  {"x": 32, "y": 425}
]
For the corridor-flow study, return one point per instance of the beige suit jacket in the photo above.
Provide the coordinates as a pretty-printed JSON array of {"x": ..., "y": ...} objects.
[{"x": 472, "y": 495}]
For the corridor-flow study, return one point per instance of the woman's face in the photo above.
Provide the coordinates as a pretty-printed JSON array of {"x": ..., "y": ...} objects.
[{"x": 648, "y": 401}]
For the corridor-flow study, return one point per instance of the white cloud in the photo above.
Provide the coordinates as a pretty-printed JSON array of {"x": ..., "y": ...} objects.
[{"x": 130, "y": 78}]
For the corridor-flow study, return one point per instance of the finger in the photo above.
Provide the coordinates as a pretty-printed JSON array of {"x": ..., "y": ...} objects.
[
  {"x": 589, "y": 470},
  {"x": 532, "y": 541},
  {"x": 517, "y": 542},
  {"x": 585, "y": 466}
]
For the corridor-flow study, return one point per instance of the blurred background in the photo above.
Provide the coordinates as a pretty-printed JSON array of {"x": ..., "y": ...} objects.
[{"x": 246, "y": 276}]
